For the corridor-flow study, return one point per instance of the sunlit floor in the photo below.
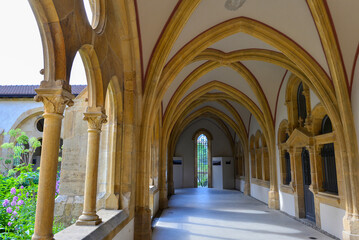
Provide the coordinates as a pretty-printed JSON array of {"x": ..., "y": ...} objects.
[{"x": 202, "y": 213}]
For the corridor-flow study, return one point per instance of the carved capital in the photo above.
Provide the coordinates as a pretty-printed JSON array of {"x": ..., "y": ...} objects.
[
  {"x": 54, "y": 97},
  {"x": 95, "y": 119}
]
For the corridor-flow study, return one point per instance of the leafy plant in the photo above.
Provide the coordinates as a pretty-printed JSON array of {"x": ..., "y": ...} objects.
[
  {"x": 18, "y": 188},
  {"x": 19, "y": 150}
]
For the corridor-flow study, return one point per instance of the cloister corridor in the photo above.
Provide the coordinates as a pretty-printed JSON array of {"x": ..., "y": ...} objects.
[{"x": 211, "y": 214}]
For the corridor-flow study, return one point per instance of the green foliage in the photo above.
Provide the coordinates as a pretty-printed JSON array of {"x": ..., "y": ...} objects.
[
  {"x": 18, "y": 151},
  {"x": 202, "y": 163},
  {"x": 18, "y": 189}
]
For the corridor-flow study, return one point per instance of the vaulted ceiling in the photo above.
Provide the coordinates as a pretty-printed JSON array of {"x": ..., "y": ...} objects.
[{"x": 290, "y": 18}]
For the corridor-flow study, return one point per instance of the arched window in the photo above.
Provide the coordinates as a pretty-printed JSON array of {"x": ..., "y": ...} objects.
[
  {"x": 302, "y": 107},
  {"x": 283, "y": 136},
  {"x": 328, "y": 160},
  {"x": 287, "y": 177},
  {"x": 40, "y": 125},
  {"x": 202, "y": 161}
]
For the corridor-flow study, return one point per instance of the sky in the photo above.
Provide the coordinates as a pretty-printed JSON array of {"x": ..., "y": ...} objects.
[{"x": 21, "y": 54}]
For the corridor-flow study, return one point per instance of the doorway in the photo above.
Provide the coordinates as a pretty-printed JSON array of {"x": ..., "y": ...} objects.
[{"x": 307, "y": 180}]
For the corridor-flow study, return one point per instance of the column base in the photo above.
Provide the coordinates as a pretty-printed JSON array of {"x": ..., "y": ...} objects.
[
  {"x": 163, "y": 198},
  {"x": 163, "y": 203},
  {"x": 247, "y": 188},
  {"x": 112, "y": 202},
  {"x": 171, "y": 188},
  {"x": 143, "y": 224},
  {"x": 88, "y": 219},
  {"x": 351, "y": 227},
  {"x": 37, "y": 237},
  {"x": 273, "y": 200}
]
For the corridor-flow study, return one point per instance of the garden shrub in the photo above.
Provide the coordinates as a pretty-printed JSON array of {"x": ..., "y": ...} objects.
[{"x": 18, "y": 189}]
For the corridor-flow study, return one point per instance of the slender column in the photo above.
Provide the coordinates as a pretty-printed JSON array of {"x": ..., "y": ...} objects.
[
  {"x": 95, "y": 120},
  {"x": 171, "y": 187},
  {"x": 315, "y": 161},
  {"x": 297, "y": 181},
  {"x": 247, "y": 186},
  {"x": 55, "y": 100},
  {"x": 265, "y": 167},
  {"x": 162, "y": 179},
  {"x": 292, "y": 153}
]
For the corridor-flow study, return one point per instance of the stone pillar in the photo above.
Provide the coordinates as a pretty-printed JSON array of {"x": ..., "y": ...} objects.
[
  {"x": 95, "y": 119},
  {"x": 142, "y": 211},
  {"x": 292, "y": 153},
  {"x": 273, "y": 195},
  {"x": 315, "y": 160},
  {"x": 55, "y": 99},
  {"x": 297, "y": 181},
  {"x": 162, "y": 179},
  {"x": 171, "y": 186},
  {"x": 265, "y": 164},
  {"x": 247, "y": 185}
]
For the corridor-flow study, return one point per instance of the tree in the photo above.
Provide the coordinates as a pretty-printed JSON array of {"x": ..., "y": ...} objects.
[{"x": 19, "y": 150}]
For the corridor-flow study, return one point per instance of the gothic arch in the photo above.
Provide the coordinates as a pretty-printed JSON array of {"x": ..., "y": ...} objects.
[
  {"x": 318, "y": 113},
  {"x": 209, "y": 137},
  {"x": 96, "y": 94},
  {"x": 52, "y": 40},
  {"x": 26, "y": 115},
  {"x": 282, "y": 132},
  {"x": 292, "y": 101}
]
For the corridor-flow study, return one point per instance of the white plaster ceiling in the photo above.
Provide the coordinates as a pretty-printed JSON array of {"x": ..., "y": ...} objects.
[
  {"x": 346, "y": 18},
  {"x": 153, "y": 16},
  {"x": 215, "y": 105},
  {"x": 243, "y": 112},
  {"x": 269, "y": 77},
  {"x": 228, "y": 76},
  {"x": 210, "y": 120},
  {"x": 292, "y": 18},
  {"x": 241, "y": 41},
  {"x": 177, "y": 82}
]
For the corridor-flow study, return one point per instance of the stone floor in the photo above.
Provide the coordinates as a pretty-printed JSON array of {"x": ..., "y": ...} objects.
[{"x": 210, "y": 214}]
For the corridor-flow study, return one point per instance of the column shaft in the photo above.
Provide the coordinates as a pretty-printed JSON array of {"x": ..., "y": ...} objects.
[
  {"x": 89, "y": 216},
  {"x": 55, "y": 98},
  {"x": 47, "y": 180}
]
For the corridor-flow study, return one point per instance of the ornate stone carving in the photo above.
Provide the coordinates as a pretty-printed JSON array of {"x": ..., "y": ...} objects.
[
  {"x": 54, "y": 97},
  {"x": 95, "y": 119},
  {"x": 54, "y": 104}
]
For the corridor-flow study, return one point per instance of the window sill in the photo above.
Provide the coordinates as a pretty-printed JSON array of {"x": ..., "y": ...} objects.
[
  {"x": 329, "y": 199},
  {"x": 260, "y": 182},
  {"x": 111, "y": 219},
  {"x": 286, "y": 189},
  {"x": 240, "y": 177}
]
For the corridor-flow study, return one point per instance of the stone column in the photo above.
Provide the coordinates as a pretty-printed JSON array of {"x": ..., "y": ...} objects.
[
  {"x": 171, "y": 187},
  {"x": 162, "y": 179},
  {"x": 292, "y": 153},
  {"x": 297, "y": 181},
  {"x": 55, "y": 99},
  {"x": 95, "y": 119},
  {"x": 247, "y": 186},
  {"x": 314, "y": 153},
  {"x": 265, "y": 164}
]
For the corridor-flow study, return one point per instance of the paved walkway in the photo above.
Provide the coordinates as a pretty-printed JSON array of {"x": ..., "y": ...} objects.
[{"x": 210, "y": 214}]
